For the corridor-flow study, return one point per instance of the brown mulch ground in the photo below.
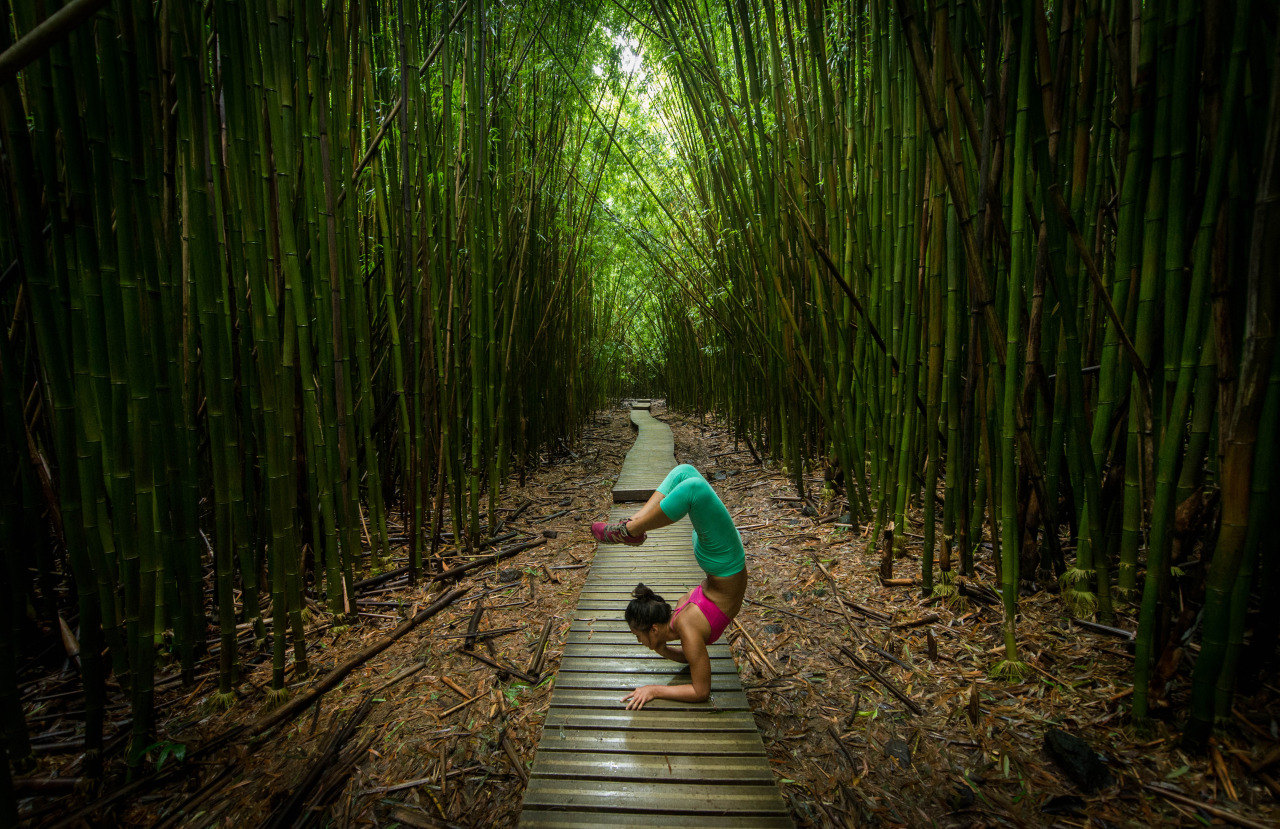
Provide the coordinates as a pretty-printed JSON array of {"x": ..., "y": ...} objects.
[
  {"x": 447, "y": 725},
  {"x": 848, "y": 752},
  {"x": 446, "y": 739}
]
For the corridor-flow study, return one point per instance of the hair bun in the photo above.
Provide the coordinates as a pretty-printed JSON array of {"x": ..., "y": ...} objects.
[{"x": 646, "y": 609}]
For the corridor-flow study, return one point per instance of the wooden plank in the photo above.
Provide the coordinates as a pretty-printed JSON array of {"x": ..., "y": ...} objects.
[
  {"x": 661, "y": 560},
  {"x": 617, "y": 603},
  {"x": 707, "y": 719},
  {"x": 670, "y": 565},
  {"x": 617, "y": 600},
  {"x": 650, "y": 767},
  {"x": 620, "y": 571},
  {"x": 600, "y": 623},
  {"x": 654, "y": 540},
  {"x": 609, "y": 698},
  {"x": 671, "y": 587},
  {"x": 658, "y": 554},
  {"x": 653, "y": 742},
  {"x": 718, "y": 650},
  {"x": 607, "y": 637},
  {"x": 655, "y": 797},
  {"x": 626, "y": 665},
  {"x": 657, "y": 571},
  {"x": 615, "y": 640},
  {"x": 624, "y": 575},
  {"x": 536, "y": 818},
  {"x": 630, "y": 650},
  {"x": 672, "y": 581},
  {"x": 622, "y": 595},
  {"x": 602, "y": 609},
  {"x": 626, "y": 682},
  {"x": 595, "y": 658},
  {"x": 626, "y": 492},
  {"x": 608, "y": 623}
]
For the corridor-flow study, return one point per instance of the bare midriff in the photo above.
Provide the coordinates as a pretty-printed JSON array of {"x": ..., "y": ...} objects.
[{"x": 726, "y": 591}]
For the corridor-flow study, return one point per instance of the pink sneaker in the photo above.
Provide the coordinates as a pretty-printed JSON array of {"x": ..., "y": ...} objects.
[{"x": 615, "y": 534}]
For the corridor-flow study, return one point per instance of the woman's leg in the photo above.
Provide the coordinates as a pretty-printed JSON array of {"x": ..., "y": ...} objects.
[
  {"x": 716, "y": 542},
  {"x": 681, "y": 490},
  {"x": 679, "y": 475},
  {"x": 652, "y": 516}
]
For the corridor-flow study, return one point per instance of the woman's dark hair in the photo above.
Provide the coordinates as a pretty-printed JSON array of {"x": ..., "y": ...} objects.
[{"x": 646, "y": 609}]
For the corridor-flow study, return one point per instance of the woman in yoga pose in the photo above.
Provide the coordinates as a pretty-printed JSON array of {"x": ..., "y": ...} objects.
[{"x": 702, "y": 615}]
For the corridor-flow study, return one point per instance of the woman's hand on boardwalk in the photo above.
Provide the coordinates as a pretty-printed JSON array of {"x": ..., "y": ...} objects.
[{"x": 637, "y": 698}]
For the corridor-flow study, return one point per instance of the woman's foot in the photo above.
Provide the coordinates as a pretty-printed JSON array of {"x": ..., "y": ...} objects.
[{"x": 615, "y": 534}]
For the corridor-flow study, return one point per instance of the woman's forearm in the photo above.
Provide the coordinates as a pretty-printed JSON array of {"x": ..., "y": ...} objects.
[{"x": 682, "y": 693}]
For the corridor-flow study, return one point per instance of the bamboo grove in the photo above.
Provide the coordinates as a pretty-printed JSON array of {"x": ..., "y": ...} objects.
[
  {"x": 287, "y": 285},
  {"x": 1012, "y": 265}
]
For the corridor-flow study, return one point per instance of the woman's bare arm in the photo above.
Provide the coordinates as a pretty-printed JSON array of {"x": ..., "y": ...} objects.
[
  {"x": 694, "y": 650},
  {"x": 673, "y": 652}
]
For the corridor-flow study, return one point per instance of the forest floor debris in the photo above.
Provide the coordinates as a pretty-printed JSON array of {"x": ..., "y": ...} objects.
[
  {"x": 446, "y": 737},
  {"x": 848, "y": 752},
  {"x": 438, "y": 728}
]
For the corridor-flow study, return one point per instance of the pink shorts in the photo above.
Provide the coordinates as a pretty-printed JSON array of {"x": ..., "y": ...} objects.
[{"x": 715, "y": 616}]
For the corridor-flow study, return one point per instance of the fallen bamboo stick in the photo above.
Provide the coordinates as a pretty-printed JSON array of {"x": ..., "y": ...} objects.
[
  {"x": 835, "y": 735},
  {"x": 895, "y": 660},
  {"x": 391, "y": 575},
  {"x": 473, "y": 626},
  {"x": 539, "y": 653},
  {"x": 752, "y": 642},
  {"x": 291, "y": 809},
  {"x": 1119, "y": 633},
  {"x": 459, "y": 706},
  {"x": 457, "y": 689},
  {"x": 927, "y": 619},
  {"x": 329, "y": 680},
  {"x": 505, "y": 740},
  {"x": 1216, "y": 811},
  {"x": 516, "y": 672},
  {"x": 483, "y": 634},
  {"x": 878, "y": 677},
  {"x": 788, "y": 612},
  {"x": 280, "y": 715},
  {"x": 835, "y": 589},
  {"x": 454, "y": 572}
]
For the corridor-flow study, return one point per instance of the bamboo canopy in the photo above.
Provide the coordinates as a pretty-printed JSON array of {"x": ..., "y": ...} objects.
[
  {"x": 1010, "y": 263},
  {"x": 282, "y": 273},
  {"x": 285, "y": 280}
]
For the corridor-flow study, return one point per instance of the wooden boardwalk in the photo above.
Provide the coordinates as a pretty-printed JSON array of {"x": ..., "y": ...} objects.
[
  {"x": 670, "y": 764},
  {"x": 649, "y": 460}
]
